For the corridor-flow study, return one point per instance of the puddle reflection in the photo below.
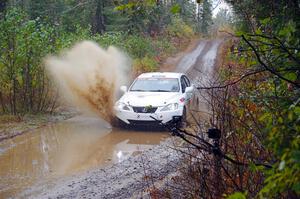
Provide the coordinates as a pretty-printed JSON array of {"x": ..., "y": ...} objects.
[{"x": 65, "y": 148}]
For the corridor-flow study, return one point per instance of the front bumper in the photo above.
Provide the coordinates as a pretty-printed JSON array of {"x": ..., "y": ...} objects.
[{"x": 130, "y": 117}]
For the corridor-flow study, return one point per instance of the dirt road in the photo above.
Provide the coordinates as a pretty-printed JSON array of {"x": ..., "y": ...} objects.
[{"x": 85, "y": 158}]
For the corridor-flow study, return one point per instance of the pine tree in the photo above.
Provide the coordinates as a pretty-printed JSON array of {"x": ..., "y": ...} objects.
[
  {"x": 205, "y": 16},
  {"x": 115, "y": 20}
]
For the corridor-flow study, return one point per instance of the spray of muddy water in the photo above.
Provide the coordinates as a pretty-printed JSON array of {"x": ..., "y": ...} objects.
[{"x": 89, "y": 76}]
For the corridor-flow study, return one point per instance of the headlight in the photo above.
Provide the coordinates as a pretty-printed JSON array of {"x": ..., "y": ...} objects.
[
  {"x": 170, "y": 107},
  {"x": 123, "y": 106}
]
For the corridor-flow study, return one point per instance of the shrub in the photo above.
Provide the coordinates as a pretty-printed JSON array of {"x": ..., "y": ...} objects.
[
  {"x": 138, "y": 46},
  {"x": 178, "y": 28},
  {"x": 163, "y": 46},
  {"x": 145, "y": 64},
  {"x": 110, "y": 39}
]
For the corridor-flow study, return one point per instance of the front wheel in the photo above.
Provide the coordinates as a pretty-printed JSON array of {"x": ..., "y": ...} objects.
[{"x": 119, "y": 123}]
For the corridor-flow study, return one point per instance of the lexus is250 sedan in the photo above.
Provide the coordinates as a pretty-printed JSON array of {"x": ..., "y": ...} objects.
[{"x": 161, "y": 95}]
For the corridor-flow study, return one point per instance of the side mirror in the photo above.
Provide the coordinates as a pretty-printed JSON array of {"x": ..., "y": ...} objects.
[
  {"x": 189, "y": 89},
  {"x": 123, "y": 89}
]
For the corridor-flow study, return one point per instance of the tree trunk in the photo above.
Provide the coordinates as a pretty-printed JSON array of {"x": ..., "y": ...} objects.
[
  {"x": 2, "y": 102},
  {"x": 14, "y": 95},
  {"x": 3, "y": 4},
  {"x": 12, "y": 75},
  {"x": 27, "y": 82},
  {"x": 98, "y": 22}
]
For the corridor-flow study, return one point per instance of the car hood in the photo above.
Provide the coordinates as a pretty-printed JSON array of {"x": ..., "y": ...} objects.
[{"x": 150, "y": 98}]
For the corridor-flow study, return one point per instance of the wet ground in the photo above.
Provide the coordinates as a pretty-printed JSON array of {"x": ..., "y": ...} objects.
[
  {"x": 81, "y": 144},
  {"x": 199, "y": 65},
  {"x": 72, "y": 146}
]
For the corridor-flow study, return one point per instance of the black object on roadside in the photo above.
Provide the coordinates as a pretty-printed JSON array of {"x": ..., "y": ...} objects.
[{"x": 214, "y": 133}]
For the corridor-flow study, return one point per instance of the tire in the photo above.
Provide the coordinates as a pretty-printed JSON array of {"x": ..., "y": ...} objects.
[
  {"x": 119, "y": 123},
  {"x": 182, "y": 123}
]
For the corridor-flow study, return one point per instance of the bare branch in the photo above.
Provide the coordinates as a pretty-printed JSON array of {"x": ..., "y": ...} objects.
[{"x": 234, "y": 82}]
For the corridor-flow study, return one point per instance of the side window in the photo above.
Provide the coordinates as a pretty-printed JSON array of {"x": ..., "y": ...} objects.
[
  {"x": 187, "y": 81},
  {"x": 183, "y": 84}
]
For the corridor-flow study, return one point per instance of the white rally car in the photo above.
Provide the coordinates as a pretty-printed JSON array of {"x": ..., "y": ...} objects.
[{"x": 160, "y": 95}]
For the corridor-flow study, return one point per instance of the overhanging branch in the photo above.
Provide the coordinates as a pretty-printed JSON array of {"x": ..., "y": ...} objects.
[
  {"x": 233, "y": 82},
  {"x": 266, "y": 66}
]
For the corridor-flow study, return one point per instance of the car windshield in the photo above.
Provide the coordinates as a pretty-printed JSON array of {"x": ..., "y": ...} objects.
[{"x": 155, "y": 85}]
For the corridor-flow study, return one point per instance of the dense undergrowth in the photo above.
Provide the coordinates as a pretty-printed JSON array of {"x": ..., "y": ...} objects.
[{"x": 259, "y": 113}]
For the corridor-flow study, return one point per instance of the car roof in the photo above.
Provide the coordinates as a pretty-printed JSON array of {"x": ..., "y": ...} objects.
[{"x": 160, "y": 75}]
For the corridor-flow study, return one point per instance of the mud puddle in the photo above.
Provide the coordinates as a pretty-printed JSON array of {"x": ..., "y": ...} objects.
[{"x": 66, "y": 148}]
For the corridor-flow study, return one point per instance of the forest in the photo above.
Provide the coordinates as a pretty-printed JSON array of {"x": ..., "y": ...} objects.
[
  {"x": 256, "y": 98},
  {"x": 147, "y": 30}
]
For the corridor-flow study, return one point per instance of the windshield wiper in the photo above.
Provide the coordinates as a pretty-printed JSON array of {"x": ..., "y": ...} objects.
[
  {"x": 159, "y": 90},
  {"x": 138, "y": 90}
]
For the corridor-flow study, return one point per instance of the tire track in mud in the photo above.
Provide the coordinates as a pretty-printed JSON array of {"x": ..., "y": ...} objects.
[
  {"x": 202, "y": 74},
  {"x": 125, "y": 179}
]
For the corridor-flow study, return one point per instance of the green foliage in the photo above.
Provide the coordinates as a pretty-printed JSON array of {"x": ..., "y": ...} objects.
[
  {"x": 164, "y": 46},
  {"x": 223, "y": 19},
  {"x": 145, "y": 64},
  {"x": 31, "y": 32},
  {"x": 23, "y": 43},
  {"x": 237, "y": 195},
  {"x": 284, "y": 140},
  {"x": 275, "y": 40},
  {"x": 139, "y": 46},
  {"x": 110, "y": 39},
  {"x": 175, "y": 9},
  {"x": 115, "y": 20},
  {"x": 141, "y": 15},
  {"x": 178, "y": 28},
  {"x": 152, "y": 16},
  {"x": 205, "y": 17}
]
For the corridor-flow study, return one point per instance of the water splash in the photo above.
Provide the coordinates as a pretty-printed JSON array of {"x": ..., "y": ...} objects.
[{"x": 89, "y": 76}]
